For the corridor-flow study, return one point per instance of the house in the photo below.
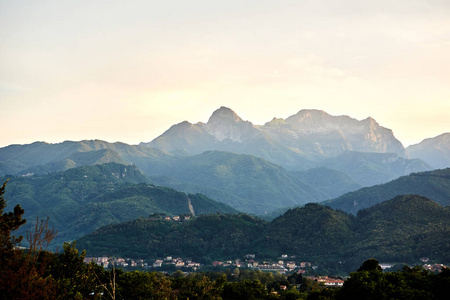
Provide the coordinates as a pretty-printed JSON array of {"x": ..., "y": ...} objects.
[
  {"x": 327, "y": 281},
  {"x": 157, "y": 263},
  {"x": 290, "y": 265},
  {"x": 386, "y": 266},
  {"x": 102, "y": 259},
  {"x": 179, "y": 264},
  {"x": 305, "y": 264},
  {"x": 434, "y": 268},
  {"x": 333, "y": 282}
]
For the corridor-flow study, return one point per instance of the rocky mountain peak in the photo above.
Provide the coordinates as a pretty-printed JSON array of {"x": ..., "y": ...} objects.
[
  {"x": 224, "y": 115},
  {"x": 226, "y": 124},
  {"x": 312, "y": 120}
]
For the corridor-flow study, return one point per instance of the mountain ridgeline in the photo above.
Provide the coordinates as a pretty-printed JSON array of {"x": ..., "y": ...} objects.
[
  {"x": 403, "y": 229},
  {"x": 306, "y": 136},
  {"x": 434, "y": 185},
  {"x": 435, "y": 151}
]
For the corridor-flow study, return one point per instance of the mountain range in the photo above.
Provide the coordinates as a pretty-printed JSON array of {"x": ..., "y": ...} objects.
[
  {"x": 210, "y": 158},
  {"x": 296, "y": 141}
]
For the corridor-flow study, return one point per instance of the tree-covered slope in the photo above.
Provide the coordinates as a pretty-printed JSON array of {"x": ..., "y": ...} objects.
[
  {"x": 204, "y": 238},
  {"x": 313, "y": 230},
  {"x": 434, "y": 185},
  {"x": 82, "y": 199},
  {"x": 403, "y": 229},
  {"x": 245, "y": 176}
]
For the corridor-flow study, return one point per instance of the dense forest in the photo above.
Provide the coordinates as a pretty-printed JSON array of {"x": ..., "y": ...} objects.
[{"x": 401, "y": 230}]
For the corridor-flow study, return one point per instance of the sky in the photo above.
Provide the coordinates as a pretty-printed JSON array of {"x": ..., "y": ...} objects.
[{"x": 128, "y": 70}]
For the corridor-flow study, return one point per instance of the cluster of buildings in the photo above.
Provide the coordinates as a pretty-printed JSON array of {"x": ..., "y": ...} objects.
[
  {"x": 286, "y": 264},
  {"x": 117, "y": 262},
  {"x": 177, "y": 262},
  {"x": 281, "y": 266},
  {"x": 434, "y": 268},
  {"x": 327, "y": 281}
]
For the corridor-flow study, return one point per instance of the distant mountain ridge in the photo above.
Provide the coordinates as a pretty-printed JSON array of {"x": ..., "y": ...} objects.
[
  {"x": 433, "y": 184},
  {"x": 40, "y": 157},
  {"x": 329, "y": 136},
  {"x": 307, "y": 136},
  {"x": 435, "y": 151}
]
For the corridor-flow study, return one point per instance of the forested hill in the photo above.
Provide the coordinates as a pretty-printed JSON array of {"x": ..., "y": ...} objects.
[
  {"x": 433, "y": 184},
  {"x": 311, "y": 233},
  {"x": 83, "y": 199}
]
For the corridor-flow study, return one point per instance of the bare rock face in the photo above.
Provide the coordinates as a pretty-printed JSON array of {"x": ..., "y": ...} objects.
[
  {"x": 315, "y": 132},
  {"x": 435, "y": 151},
  {"x": 226, "y": 124},
  {"x": 308, "y": 136}
]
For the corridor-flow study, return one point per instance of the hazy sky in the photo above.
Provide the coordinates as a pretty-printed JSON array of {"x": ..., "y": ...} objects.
[{"x": 128, "y": 70}]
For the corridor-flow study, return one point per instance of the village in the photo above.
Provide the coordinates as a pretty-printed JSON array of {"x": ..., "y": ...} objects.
[{"x": 285, "y": 265}]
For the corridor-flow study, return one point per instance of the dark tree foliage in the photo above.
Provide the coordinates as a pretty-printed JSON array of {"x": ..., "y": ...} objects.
[
  {"x": 369, "y": 282},
  {"x": 370, "y": 265},
  {"x": 9, "y": 221}
]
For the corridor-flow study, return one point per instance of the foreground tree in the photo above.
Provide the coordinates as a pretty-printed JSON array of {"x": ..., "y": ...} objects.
[
  {"x": 23, "y": 272},
  {"x": 9, "y": 222}
]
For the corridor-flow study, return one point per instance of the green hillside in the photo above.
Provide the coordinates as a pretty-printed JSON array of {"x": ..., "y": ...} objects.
[
  {"x": 404, "y": 227},
  {"x": 434, "y": 185},
  {"x": 203, "y": 239},
  {"x": 82, "y": 199},
  {"x": 402, "y": 230},
  {"x": 314, "y": 229},
  {"x": 245, "y": 176}
]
